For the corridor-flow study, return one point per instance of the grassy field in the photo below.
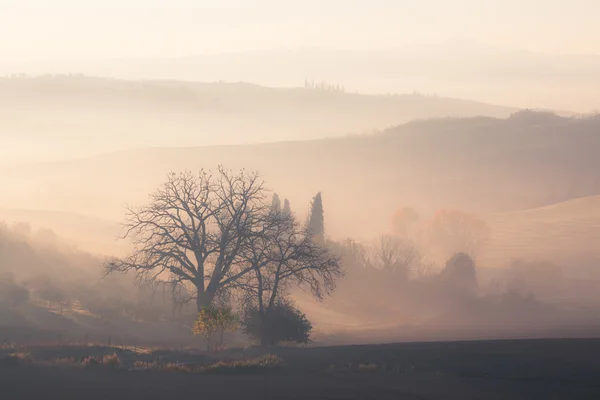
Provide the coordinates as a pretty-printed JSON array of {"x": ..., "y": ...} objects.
[{"x": 529, "y": 369}]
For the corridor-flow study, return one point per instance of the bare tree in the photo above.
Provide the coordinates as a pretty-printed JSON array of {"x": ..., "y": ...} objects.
[
  {"x": 283, "y": 254},
  {"x": 456, "y": 231},
  {"x": 194, "y": 230},
  {"x": 395, "y": 255},
  {"x": 424, "y": 269}
]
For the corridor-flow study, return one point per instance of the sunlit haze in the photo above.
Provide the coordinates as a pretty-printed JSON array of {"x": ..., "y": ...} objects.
[
  {"x": 350, "y": 199},
  {"x": 40, "y": 30}
]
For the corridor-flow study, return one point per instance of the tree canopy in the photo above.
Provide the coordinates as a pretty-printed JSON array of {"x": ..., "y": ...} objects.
[{"x": 220, "y": 233}]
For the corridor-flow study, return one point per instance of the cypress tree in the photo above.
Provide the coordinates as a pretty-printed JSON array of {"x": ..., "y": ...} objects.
[
  {"x": 286, "y": 207},
  {"x": 276, "y": 204},
  {"x": 316, "y": 221}
]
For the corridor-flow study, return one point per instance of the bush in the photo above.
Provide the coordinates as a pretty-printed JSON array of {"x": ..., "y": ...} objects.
[
  {"x": 283, "y": 323},
  {"x": 459, "y": 273},
  {"x": 112, "y": 361}
]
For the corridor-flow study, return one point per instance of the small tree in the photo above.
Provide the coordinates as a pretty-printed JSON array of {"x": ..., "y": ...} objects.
[
  {"x": 285, "y": 323},
  {"x": 212, "y": 322},
  {"x": 283, "y": 255}
]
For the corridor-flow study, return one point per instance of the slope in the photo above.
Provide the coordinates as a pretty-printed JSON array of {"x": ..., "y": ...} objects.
[
  {"x": 567, "y": 232},
  {"x": 59, "y": 116},
  {"x": 482, "y": 165}
]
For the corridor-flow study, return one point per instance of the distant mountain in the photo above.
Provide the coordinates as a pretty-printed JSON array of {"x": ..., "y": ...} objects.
[{"x": 484, "y": 165}]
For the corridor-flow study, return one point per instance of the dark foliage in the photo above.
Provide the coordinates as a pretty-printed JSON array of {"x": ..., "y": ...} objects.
[
  {"x": 460, "y": 273},
  {"x": 316, "y": 221},
  {"x": 284, "y": 323}
]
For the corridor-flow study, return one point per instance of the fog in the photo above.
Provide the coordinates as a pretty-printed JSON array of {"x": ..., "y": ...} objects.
[{"x": 458, "y": 177}]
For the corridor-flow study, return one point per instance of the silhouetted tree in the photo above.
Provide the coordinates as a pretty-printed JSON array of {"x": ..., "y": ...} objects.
[
  {"x": 281, "y": 255},
  {"x": 396, "y": 256},
  {"x": 316, "y": 220},
  {"x": 194, "y": 229}
]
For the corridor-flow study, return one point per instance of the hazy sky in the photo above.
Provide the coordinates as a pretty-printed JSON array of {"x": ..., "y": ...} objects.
[{"x": 50, "y": 29}]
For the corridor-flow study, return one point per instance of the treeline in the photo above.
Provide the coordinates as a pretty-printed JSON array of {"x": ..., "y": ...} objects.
[{"x": 219, "y": 250}]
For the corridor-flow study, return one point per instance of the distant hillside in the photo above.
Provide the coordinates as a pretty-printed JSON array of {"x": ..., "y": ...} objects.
[
  {"x": 90, "y": 234},
  {"x": 483, "y": 165},
  {"x": 565, "y": 232},
  {"x": 59, "y": 116},
  {"x": 462, "y": 69}
]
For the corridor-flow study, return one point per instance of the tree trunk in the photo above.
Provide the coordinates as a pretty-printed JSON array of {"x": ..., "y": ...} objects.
[
  {"x": 265, "y": 337},
  {"x": 204, "y": 298}
]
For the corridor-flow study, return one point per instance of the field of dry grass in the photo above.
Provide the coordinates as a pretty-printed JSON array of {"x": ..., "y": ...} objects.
[{"x": 537, "y": 369}]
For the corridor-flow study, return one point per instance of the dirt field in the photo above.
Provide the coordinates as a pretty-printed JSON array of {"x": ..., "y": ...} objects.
[{"x": 531, "y": 369}]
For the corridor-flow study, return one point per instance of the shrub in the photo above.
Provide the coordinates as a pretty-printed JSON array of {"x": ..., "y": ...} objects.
[
  {"x": 22, "y": 358},
  {"x": 112, "y": 361},
  {"x": 283, "y": 323}
]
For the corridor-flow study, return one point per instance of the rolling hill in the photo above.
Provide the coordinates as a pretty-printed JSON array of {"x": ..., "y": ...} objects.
[
  {"x": 567, "y": 232},
  {"x": 454, "y": 68},
  {"x": 88, "y": 233},
  {"x": 483, "y": 165},
  {"x": 57, "y": 117}
]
